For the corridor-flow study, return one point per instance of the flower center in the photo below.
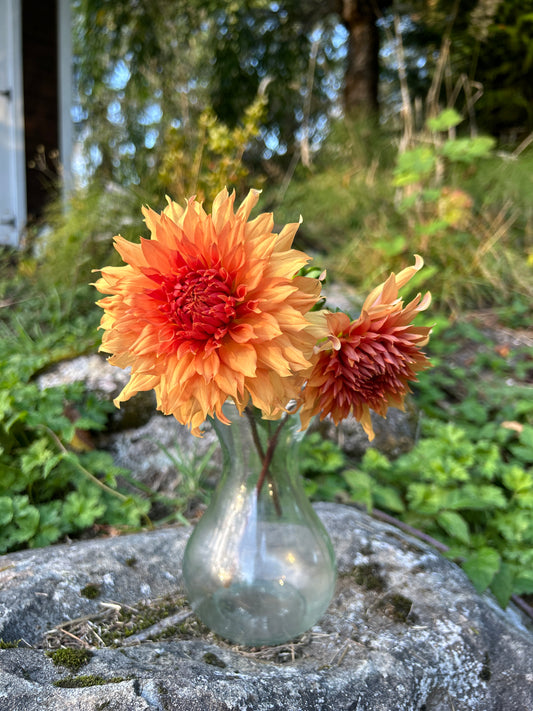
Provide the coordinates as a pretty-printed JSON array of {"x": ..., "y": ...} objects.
[{"x": 201, "y": 304}]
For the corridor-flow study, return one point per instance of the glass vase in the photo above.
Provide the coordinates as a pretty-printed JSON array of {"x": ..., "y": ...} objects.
[{"x": 259, "y": 567}]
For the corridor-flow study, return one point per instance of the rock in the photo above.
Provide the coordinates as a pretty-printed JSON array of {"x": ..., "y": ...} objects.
[
  {"x": 394, "y": 435},
  {"x": 160, "y": 453},
  {"x": 405, "y": 631},
  {"x": 106, "y": 381}
]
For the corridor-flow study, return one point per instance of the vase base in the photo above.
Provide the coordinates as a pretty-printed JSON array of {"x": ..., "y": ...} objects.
[{"x": 267, "y": 612}]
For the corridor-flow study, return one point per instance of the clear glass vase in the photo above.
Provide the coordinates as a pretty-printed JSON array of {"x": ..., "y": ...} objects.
[{"x": 259, "y": 567}]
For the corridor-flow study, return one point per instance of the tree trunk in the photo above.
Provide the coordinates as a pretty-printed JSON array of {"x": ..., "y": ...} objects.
[{"x": 362, "y": 69}]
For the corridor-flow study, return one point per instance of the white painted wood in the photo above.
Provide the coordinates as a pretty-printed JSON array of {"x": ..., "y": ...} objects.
[
  {"x": 12, "y": 154},
  {"x": 65, "y": 91}
]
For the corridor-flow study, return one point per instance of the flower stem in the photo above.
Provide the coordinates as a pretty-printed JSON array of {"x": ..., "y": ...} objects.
[
  {"x": 255, "y": 434},
  {"x": 267, "y": 459}
]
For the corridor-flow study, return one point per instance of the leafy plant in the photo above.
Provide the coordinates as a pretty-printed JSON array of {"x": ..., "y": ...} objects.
[
  {"x": 464, "y": 494},
  {"x": 320, "y": 461},
  {"x": 47, "y": 488},
  {"x": 51, "y": 485}
]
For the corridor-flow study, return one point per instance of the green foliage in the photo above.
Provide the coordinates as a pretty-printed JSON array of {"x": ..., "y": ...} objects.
[
  {"x": 49, "y": 488},
  {"x": 320, "y": 462},
  {"x": 204, "y": 161},
  {"x": 143, "y": 69},
  {"x": 464, "y": 494},
  {"x": 199, "y": 160},
  {"x": 450, "y": 198},
  {"x": 505, "y": 69}
]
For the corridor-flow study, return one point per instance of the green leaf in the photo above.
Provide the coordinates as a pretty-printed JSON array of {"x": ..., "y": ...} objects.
[
  {"x": 38, "y": 456},
  {"x": 82, "y": 510},
  {"x": 360, "y": 487},
  {"x": 392, "y": 246},
  {"x": 514, "y": 525},
  {"x": 475, "y": 497},
  {"x": 482, "y": 566},
  {"x": 375, "y": 462},
  {"x": 454, "y": 525},
  {"x": 517, "y": 480},
  {"x": 523, "y": 583},
  {"x": 524, "y": 450},
  {"x": 388, "y": 498},
  {"x": 502, "y": 585},
  {"x": 414, "y": 165},
  {"x": 468, "y": 150},
  {"x": 6, "y": 510},
  {"x": 445, "y": 120}
]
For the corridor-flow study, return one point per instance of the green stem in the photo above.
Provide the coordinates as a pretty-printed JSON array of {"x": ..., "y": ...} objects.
[{"x": 87, "y": 473}]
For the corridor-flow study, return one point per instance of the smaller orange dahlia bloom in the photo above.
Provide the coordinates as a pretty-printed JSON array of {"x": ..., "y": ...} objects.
[
  {"x": 209, "y": 308},
  {"x": 366, "y": 364}
]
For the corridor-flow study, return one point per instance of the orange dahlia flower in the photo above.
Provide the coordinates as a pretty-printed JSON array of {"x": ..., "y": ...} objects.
[
  {"x": 209, "y": 308},
  {"x": 366, "y": 364}
]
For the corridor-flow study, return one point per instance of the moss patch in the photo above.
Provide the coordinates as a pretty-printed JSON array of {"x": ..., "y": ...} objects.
[
  {"x": 79, "y": 682},
  {"x": 398, "y": 608},
  {"x": 9, "y": 645},
  {"x": 485, "y": 673},
  {"x": 130, "y": 621},
  {"x": 210, "y": 658},
  {"x": 90, "y": 591},
  {"x": 368, "y": 576},
  {"x": 73, "y": 659}
]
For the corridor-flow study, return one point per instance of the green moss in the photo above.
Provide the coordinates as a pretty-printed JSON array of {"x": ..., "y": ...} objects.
[
  {"x": 90, "y": 591},
  {"x": 368, "y": 575},
  {"x": 9, "y": 645},
  {"x": 210, "y": 658},
  {"x": 131, "y": 562},
  {"x": 136, "y": 620},
  {"x": 485, "y": 673},
  {"x": 397, "y": 607},
  {"x": 72, "y": 659},
  {"x": 79, "y": 682}
]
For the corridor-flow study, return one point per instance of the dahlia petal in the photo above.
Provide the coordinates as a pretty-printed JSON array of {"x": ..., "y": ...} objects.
[
  {"x": 129, "y": 251},
  {"x": 242, "y": 333},
  {"x": 286, "y": 236},
  {"x": 393, "y": 284},
  {"x": 259, "y": 235},
  {"x": 173, "y": 210},
  {"x": 222, "y": 210},
  {"x": 248, "y": 204},
  {"x": 287, "y": 263},
  {"x": 241, "y": 358},
  {"x": 138, "y": 382}
]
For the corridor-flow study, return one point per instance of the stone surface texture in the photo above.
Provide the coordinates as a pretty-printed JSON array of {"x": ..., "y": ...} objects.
[{"x": 405, "y": 631}]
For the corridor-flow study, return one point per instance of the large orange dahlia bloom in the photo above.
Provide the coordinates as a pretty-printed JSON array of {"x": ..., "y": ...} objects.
[
  {"x": 366, "y": 364},
  {"x": 209, "y": 308}
]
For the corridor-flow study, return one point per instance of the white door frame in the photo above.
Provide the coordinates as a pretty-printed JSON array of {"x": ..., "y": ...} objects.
[
  {"x": 66, "y": 90},
  {"x": 13, "y": 212},
  {"x": 13, "y": 209}
]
